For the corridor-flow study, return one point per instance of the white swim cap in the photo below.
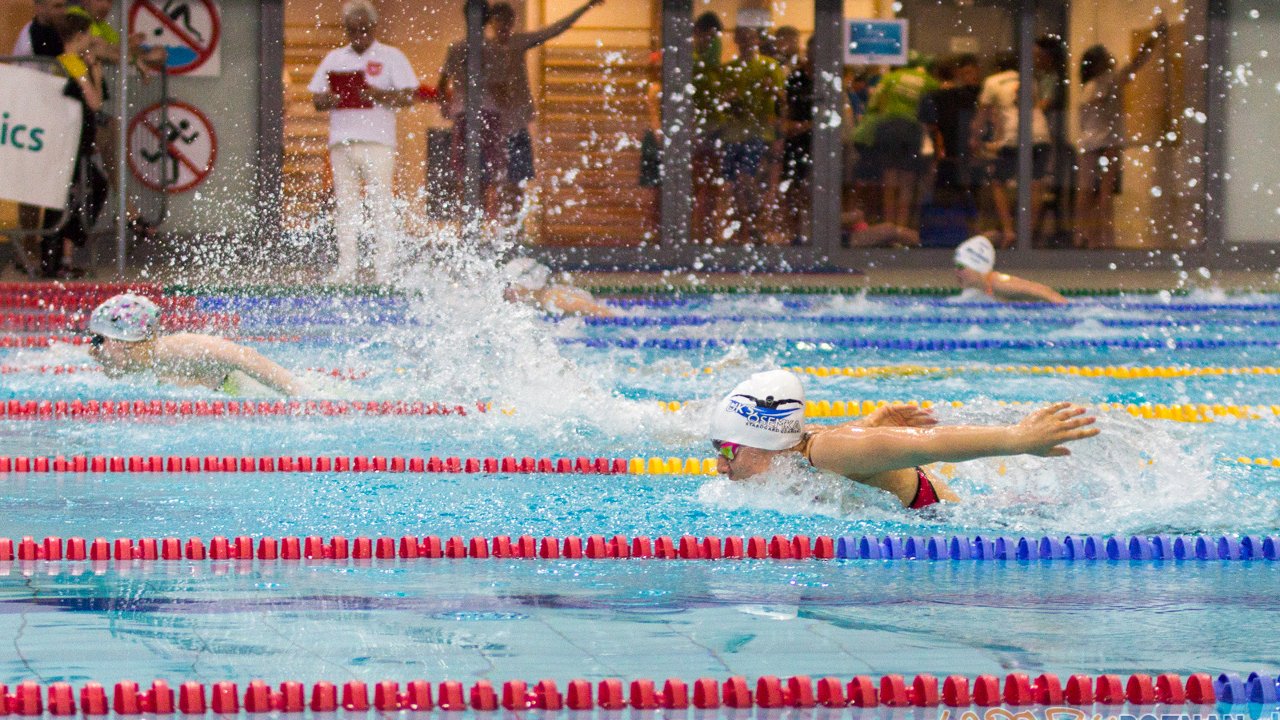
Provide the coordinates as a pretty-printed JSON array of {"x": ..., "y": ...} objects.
[
  {"x": 977, "y": 254},
  {"x": 765, "y": 411},
  {"x": 526, "y": 273},
  {"x": 125, "y": 317}
]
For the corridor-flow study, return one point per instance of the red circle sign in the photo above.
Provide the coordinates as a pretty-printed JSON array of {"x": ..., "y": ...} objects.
[
  {"x": 174, "y": 150},
  {"x": 191, "y": 46}
]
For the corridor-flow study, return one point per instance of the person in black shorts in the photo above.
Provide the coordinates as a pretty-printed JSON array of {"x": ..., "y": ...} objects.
[{"x": 797, "y": 148}]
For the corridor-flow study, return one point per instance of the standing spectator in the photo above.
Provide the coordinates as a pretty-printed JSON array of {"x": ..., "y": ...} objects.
[
  {"x": 507, "y": 80},
  {"x": 651, "y": 149},
  {"x": 797, "y": 149},
  {"x": 89, "y": 188},
  {"x": 453, "y": 93},
  {"x": 361, "y": 86},
  {"x": 998, "y": 115},
  {"x": 753, "y": 87},
  {"x": 39, "y": 38},
  {"x": 106, "y": 48},
  {"x": 893, "y": 137},
  {"x": 948, "y": 114},
  {"x": 786, "y": 48},
  {"x": 708, "y": 121},
  {"x": 1102, "y": 138},
  {"x": 1052, "y": 84}
]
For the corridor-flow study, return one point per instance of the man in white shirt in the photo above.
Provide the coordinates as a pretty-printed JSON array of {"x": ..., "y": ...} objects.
[{"x": 361, "y": 86}]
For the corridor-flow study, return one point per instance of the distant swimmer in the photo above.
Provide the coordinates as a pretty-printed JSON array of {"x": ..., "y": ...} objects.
[
  {"x": 763, "y": 417},
  {"x": 126, "y": 340},
  {"x": 529, "y": 282},
  {"x": 975, "y": 268}
]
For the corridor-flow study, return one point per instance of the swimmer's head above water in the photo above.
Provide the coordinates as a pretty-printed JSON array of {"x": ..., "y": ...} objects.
[
  {"x": 760, "y": 418},
  {"x": 119, "y": 325},
  {"x": 975, "y": 260},
  {"x": 524, "y": 276}
]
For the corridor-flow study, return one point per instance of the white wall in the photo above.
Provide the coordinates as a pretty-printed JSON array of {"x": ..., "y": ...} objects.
[
  {"x": 1252, "y": 133},
  {"x": 224, "y": 203}
]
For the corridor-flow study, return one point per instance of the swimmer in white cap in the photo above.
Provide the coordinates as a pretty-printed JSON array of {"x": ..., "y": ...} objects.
[
  {"x": 975, "y": 269},
  {"x": 124, "y": 337},
  {"x": 528, "y": 282},
  {"x": 764, "y": 417}
]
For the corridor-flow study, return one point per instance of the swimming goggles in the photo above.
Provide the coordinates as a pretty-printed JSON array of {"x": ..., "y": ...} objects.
[
  {"x": 725, "y": 449},
  {"x": 96, "y": 340}
]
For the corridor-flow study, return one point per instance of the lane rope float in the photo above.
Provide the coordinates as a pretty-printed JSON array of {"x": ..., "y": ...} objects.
[
  {"x": 937, "y": 548},
  {"x": 128, "y": 698}
]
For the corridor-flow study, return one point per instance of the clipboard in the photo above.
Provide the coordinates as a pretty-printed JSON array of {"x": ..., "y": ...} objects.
[{"x": 349, "y": 86}]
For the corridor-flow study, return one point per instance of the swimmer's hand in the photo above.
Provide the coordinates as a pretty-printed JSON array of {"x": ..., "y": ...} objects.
[
  {"x": 899, "y": 415},
  {"x": 1045, "y": 431}
]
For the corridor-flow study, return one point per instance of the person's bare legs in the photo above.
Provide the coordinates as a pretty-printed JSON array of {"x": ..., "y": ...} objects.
[
  {"x": 705, "y": 170},
  {"x": 1104, "y": 215},
  {"x": 1086, "y": 211},
  {"x": 1000, "y": 199}
]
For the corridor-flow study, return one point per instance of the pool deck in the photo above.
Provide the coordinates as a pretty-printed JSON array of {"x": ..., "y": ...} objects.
[{"x": 1069, "y": 278}]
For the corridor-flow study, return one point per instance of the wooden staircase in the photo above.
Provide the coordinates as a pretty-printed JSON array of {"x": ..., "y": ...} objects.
[{"x": 592, "y": 116}]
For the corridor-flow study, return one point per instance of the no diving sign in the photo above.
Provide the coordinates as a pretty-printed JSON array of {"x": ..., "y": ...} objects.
[
  {"x": 172, "y": 151},
  {"x": 189, "y": 30}
]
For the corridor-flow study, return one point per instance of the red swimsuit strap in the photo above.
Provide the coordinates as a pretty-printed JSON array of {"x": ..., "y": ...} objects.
[{"x": 926, "y": 495}]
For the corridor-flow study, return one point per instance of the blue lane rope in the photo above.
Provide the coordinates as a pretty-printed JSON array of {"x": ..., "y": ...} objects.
[
  {"x": 1189, "y": 307},
  {"x": 924, "y": 345},
  {"x": 1071, "y": 547},
  {"x": 699, "y": 320}
]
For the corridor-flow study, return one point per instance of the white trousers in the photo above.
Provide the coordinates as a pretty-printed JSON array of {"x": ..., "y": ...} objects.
[{"x": 367, "y": 167}]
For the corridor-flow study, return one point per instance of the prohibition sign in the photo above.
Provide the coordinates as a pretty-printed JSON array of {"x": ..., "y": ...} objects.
[
  {"x": 190, "y": 30},
  {"x": 172, "y": 154}
]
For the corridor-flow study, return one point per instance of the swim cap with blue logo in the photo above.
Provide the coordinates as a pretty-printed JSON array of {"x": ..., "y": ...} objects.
[
  {"x": 977, "y": 254},
  {"x": 127, "y": 317},
  {"x": 765, "y": 411}
]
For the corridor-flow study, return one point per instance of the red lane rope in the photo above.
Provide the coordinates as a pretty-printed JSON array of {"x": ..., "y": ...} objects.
[
  {"x": 737, "y": 692},
  {"x": 305, "y": 463},
  {"x": 109, "y": 409},
  {"x": 410, "y": 547},
  {"x": 30, "y": 341},
  {"x": 341, "y": 373},
  {"x": 78, "y": 322}
]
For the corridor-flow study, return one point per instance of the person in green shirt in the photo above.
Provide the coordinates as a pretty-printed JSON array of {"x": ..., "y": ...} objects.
[
  {"x": 891, "y": 138},
  {"x": 753, "y": 89}
]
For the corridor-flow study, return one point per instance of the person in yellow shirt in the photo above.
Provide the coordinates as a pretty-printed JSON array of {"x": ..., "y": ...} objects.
[{"x": 753, "y": 88}]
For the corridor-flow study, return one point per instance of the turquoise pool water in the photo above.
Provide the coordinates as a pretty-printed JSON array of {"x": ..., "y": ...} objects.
[{"x": 573, "y": 388}]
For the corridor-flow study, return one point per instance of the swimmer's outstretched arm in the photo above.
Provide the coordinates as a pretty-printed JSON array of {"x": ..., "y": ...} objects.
[
  {"x": 895, "y": 415},
  {"x": 208, "y": 350},
  {"x": 572, "y": 301},
  {"x": 1012, "y": 287},
  {"x": 859, "y": 452}
]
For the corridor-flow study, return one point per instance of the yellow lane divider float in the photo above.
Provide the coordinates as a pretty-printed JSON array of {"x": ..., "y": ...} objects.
[
  {"x": 1186, "y": 412},
  {"x": 707, "y": 466},
  {"x": 1120, "y": 372}
]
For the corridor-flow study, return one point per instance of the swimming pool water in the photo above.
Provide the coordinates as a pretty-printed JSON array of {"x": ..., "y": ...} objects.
[{"x": 555, "y": 394}]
